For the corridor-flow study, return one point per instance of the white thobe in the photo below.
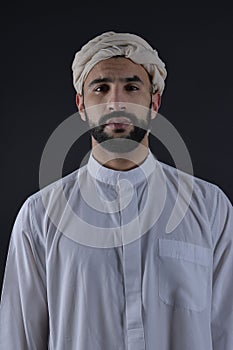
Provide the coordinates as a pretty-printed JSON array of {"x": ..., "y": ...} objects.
[{"x": 100, "y": 260}]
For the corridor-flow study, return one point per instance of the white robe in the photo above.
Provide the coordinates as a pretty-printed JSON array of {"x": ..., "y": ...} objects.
[{"x": 92, "y": 266}]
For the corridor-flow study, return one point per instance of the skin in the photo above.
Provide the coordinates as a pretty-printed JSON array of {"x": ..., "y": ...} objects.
[{"x": 118, "y": 84}]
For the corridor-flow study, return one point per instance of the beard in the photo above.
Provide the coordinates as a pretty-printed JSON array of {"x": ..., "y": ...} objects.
[{"x": 121, "y": 144}]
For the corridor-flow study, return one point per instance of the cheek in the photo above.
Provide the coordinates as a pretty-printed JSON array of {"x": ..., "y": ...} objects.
[
  {"x": 145, "y": 99},
  {"x": 93, "y": 106},
  {"x": 94, "y": 99},
  {"x": 94, "y": 112},
  {"x": 141, "y": 109}
]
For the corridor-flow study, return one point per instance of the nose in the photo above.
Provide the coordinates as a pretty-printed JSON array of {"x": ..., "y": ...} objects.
[
  {"x": 116, "y": 106},
  {"x": 116, "y": 101}
]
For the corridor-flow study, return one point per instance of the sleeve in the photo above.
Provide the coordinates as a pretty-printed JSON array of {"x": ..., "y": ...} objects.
[
  {"x": 23, "y": 308},
  {"x": 222, "y": 290}
]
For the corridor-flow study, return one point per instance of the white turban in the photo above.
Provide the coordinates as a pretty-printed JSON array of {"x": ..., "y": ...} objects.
[{"x": 112, "y": 44}]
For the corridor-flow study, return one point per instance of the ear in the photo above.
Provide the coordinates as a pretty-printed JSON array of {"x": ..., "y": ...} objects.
[
  {"x": 156, "y": 100},
  {"x": 80, "y": 105}
]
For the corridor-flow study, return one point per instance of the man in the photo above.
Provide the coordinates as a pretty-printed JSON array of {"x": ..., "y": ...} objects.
[{"x": 91, "y": 264}]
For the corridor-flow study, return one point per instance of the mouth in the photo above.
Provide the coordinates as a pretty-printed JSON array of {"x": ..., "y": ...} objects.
[
  {"x": 118, "y": 123},
  {"x": 119, "y": 120}
]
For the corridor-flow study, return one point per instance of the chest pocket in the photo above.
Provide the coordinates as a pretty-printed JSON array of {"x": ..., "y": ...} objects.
[{"x": 183, "y": 274}]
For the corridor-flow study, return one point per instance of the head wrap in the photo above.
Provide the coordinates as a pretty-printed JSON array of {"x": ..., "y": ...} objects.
[{"x": 112, "y": 44}]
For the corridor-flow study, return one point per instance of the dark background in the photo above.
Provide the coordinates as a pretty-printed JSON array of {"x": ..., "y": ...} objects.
[{"x": 38, "y": 44}]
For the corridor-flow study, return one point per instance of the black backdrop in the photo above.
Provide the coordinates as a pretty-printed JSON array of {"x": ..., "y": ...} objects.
[{"x": 37, "y": 48}]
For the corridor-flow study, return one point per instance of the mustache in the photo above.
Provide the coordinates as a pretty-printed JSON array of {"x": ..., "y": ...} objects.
[{"x": 118, "y": 114}]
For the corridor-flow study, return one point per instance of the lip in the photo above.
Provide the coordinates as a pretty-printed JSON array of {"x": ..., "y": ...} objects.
[{"x": 119, "y": 120}]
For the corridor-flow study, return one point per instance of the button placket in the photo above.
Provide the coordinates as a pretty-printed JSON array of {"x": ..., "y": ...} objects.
[{"x": 131, "y": 266}]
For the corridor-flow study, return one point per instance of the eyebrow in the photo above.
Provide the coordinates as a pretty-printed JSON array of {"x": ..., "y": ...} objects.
[{"x": 134, "y": 79}]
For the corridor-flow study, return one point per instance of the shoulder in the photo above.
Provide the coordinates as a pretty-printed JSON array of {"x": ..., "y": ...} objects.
[
  {"x": 201, "y": 188},
  {"x": 206, "y": 199},
  {"x": 66, "y": 184},
  {"x": 48, "y": 201}
]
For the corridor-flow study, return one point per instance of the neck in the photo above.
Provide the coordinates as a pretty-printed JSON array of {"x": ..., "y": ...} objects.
[{"x": 120, "y": 161}]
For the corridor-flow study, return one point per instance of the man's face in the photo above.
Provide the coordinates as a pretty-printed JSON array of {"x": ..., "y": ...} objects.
[{"x": 117, "y": 103}]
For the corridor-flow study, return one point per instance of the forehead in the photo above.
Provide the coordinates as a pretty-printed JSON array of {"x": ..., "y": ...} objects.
[{"x": 116, "y": 68}]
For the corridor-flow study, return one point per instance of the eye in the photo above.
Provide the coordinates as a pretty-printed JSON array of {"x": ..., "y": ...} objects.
[
  {"x": 102, "y": 88},
  {"x": 132, "y": 88}
]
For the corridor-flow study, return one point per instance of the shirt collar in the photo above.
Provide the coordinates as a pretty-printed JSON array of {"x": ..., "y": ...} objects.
[{"x": 110, "y": 176}]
